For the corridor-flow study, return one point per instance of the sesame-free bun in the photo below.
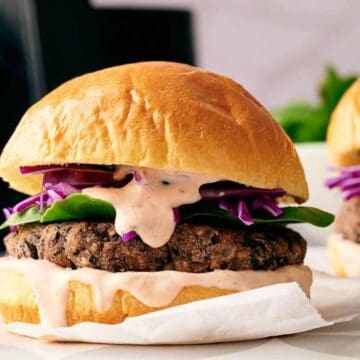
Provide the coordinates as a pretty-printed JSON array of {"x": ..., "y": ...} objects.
[
  {"x": 343, "y": 134},
  {"x": 24, "y": 300},
  {"x": 160, "y": 115},
  {"x": 19, "y": 304}
]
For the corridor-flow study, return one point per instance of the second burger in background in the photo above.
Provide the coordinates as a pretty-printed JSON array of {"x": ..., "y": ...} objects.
[{"x": 343, "y": 140}]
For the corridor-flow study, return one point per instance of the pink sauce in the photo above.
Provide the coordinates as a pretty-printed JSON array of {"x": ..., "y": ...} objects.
[
  {"x": 50, "y": 284},
  {"x": 146, "y": 203}
]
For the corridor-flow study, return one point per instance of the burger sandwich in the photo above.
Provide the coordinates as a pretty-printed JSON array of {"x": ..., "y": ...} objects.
[
  {"x": 343, "y": 140},
  {"x": 150, "y": 185}
]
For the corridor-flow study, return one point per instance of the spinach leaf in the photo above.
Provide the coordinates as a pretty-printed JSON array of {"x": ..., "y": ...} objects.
[
  {"x": 290, "y": 215},
  {"x": 27, "y": 216},
  {"x": 75, "y": 207}
]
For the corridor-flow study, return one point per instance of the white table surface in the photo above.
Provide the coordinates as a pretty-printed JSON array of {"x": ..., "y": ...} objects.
[{"x": 341, "y": 341}]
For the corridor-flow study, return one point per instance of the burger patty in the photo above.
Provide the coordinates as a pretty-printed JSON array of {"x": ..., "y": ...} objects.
[
  {"x": 347, "y": 221},
  {"x": 192, "y": 248}
]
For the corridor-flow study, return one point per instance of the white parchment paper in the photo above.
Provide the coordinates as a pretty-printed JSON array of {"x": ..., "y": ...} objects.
[{"x": 269, "y": 311}]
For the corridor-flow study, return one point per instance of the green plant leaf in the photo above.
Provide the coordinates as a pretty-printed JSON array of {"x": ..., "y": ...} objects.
[
  {"x": 74, "y": 207},
  {"x": 333, "y": 87},
  {"x": 27, "y": 216},
  {"x": 306, "y": 122},
  {"x": 290, "y": 215},
  {"x": 299, "y": 214},
  {"x": 303, "y": 122},
  {"x": 78, "y": 207}
]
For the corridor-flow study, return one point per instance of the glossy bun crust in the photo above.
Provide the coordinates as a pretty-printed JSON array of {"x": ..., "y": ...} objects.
[{"x": 155, "y": 114}]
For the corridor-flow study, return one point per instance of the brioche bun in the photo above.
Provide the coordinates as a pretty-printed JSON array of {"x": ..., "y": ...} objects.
[
  {"x": 18, "y": 302},
  {"x": 344, "y": 256},
  {"x": 343, "y": 134},
  {"x": 160, "y": 115}
]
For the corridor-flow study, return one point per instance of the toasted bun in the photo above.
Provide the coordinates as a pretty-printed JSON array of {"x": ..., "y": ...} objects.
[
  {"x": 18, "y": 301},
  {"x": 343, "y": 135},
  {"x": 344, "y": 256},
  {"x": 155, "y": 114}
]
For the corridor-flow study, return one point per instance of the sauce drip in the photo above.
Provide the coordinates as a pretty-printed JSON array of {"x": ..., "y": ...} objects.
[
  {"x": 49, "y": 283},
  {"x": 146, "y": 203}
]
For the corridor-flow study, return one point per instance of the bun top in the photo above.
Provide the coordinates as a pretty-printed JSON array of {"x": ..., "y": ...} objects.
[
  {"x": 155, "y": 114},
  {"x": 343, "y": 135}
]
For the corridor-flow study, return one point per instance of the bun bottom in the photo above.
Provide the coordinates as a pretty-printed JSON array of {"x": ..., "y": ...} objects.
[
  {"x": 344, "y": 256},
  {"x": 18, "y": 302}
]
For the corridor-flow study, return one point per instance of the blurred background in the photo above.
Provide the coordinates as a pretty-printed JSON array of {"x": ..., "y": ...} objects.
[{"x": 296, "y": 57}]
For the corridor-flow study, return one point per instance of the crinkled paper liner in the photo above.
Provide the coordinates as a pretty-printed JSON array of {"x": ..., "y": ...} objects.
[{"x": 269, "y": 311}]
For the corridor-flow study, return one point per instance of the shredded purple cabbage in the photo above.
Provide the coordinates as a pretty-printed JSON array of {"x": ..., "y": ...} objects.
[
  {"x": 244, "y": 213},
  {"x": 347, "y": 180},
  {"x": 228, "y": 206},
  {"x": 24, "y": 204},
  {"x": 39, "y": 169},
  {"x": 270, "y": 205},
  {"x": 7, "y": 213},
  {"x": 241, "y": 207},
  {"x": 140, "y": 177},
  {"x": 81, "y": 178},
  {"x": 46, "y": 198},
  {"x": 127, "y": 236},
  {"x": 176, "y": 215}
]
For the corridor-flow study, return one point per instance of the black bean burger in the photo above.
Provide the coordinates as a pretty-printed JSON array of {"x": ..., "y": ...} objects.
[{"x": 151, "y": 185}]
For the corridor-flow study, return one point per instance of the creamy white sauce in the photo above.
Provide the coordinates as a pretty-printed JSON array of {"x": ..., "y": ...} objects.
[
  {"x": 49, "y": 283},
  {"x": 146, "y": 205}
]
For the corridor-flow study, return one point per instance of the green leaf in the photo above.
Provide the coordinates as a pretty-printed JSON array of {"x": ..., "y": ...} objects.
[
  {"x": 333, "y": 87},
  {"x": 79, "y": 207},
  {"x": 290, "y": 215},
  {"x": 305, "y": 122},
  {"x": 27, "y": 216},
  {"x": 75, "y": 207},
  {"x": 299, "y": 214}
]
